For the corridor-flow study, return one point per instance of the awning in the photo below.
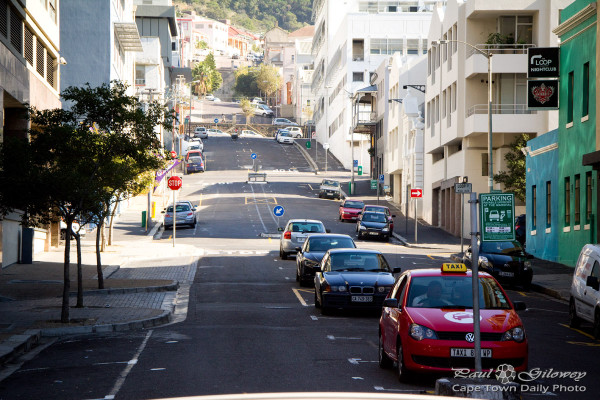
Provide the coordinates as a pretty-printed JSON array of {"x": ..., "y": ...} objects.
[
  {"x": 128, "y": 36},
  {"x": 369, "y": 89}
]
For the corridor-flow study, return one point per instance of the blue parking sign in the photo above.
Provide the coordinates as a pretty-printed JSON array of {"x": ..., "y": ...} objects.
[
  {"x": 278, "y": 211},
  {"x": 356, "y": 163},
  {"x": 381, "y": 178},
  {"x": 216, "y": 120}
]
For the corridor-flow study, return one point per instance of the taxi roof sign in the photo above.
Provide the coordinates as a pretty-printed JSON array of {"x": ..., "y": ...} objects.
[{"x": 454, "y": 267}]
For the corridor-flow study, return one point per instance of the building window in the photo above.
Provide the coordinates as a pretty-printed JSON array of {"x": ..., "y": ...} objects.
[
  {"x": 518, "y": 29},
  {"x": 39, "y": 61},
  {"x": 588, "y": 197},
  {"x": 3, "y": 18},
  {"x": 358, "y": 76},
  {"x": 567, "y": 201},
  {"x": 52, "y": 9},
  {"x": 570, "y": 98},
  {"x": 585, "y": 89},
  {"x": 358, "y": 49},
  {"x": 412, "y": 46},
  {"x": 484, "y": 164},
  {"x": 548, "y": 204},
  {"x": 50, "y": 64},
  {"x": 386, "y": 46},
  {"x": 534, "y": 207},
  {"x": 29, "y": 45},
  {"x": 16, "y": 31},
  {"x": 577, "y": 199}
]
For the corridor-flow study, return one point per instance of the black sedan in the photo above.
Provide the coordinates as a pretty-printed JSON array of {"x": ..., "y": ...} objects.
[
  {"x": 353, "y": 279},
  {"x": 506, "y": 261},
  {"x": 373, "y": 224},
  {"x": 310, "y": 255}
]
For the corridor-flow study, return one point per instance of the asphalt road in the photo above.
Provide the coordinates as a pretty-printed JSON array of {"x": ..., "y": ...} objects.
[{"x": 250, "y": 327}]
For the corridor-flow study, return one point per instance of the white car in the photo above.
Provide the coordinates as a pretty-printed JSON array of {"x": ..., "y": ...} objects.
[
  {"x": 250, "y": 133},
  {"x": 285, "y": 137},
  {"x": 283, "y": 121},
  {"x": 217, "y": 132},
  {"x": 296, "y": 131},
  {"x": 209, "y": 97},
  {"x": 196, "y": 144},
  {"x": 200, "y": 132},
  {"x": 217, "y": 100},
  {"x": 295, "y": 233},
  {"x": 584, "y": 302}
]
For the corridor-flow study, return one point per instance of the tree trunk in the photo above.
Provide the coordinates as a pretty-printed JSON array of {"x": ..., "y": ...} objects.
[
  {"x": 102, "y": 237},
  {"x": 98, "y": 258},
  {"x": 112, "y": 221},
  {"x": 79, "y": 272},
  {"x": 64, "y": 316}
]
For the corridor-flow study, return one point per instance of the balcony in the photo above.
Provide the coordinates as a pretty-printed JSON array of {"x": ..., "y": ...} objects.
[
  {"x": 506, "y": 59},
  {"x": 506, "y": 118}
]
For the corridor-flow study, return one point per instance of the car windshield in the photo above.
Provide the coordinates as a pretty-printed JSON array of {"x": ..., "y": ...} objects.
[
  {"x": 374, "y": 217},
  {"x": 508, "y": 248},
  {"x": 454, "y": 292},
  {"x": 375, "y": 209},
  {"x": 304, "y": 227},
  {"x": 285, "y": 134},
  {"x": 358, "y": 262},
  {"x": 330, "y": 183},
  {"x": 179, "y": 208},
  {"x": 195, "y": 147},
  {"x": 321, "y": 244},
  {"x": 354, "y": 204}
]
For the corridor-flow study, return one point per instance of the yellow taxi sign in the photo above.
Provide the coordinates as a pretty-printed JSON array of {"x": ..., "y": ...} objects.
[{"x": 454, "y": 267}]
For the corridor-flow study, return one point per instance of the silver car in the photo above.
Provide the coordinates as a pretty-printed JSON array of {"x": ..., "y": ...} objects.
[
  {"x": 186, "y": 215},
  {"x": 294, "y": 234}
]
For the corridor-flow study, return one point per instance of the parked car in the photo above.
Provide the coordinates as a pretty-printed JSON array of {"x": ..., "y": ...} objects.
[
  {"x": 285, "y": 137},
  {"x": 217, "y": 100},
  {"x": 193, "y": 153},
  {"x": 350, "y": 210},
  {"x": 262, "y": 110},
  {"x": 209, "y": 97},
  {"x": 184, "y": 215},
  {"x": 75, "y": 228},
  {"x": 311, "y": 253},
  {"x": 373, "y": 224},
  {"x": 250, "y": 133},
  {"x": 353, "y": 279},
  {"x": 200, "y": 132},
  {"x": 505, "y": 261},
  {"x": 283, "y": 121},
  {"x": 197, "y": 142},
  {"x": 279, "y": 132},
  {"x": 382, "y": 209},
  {"x": 194, "y": 164},
  {"x": 426, "y": 323},
  {"x": 296, "y": 131},
  {"x": 330, "y": 188},
  {"x": 295, "y": 232},
  {"x": 584, "y": 302},
  {"x": 257, "y": 100},
  {"x": 215, "y": 132},
  {"x": 520, "y": 229}
]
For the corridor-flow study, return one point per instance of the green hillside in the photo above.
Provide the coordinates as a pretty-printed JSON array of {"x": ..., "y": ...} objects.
[{"x": 254, "y": 15}]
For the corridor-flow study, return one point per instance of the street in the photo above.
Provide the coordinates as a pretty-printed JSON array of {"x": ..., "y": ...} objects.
[{"x": 250, "y": 327}]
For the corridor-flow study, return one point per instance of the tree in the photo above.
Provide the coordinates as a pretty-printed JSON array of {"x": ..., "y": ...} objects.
[
  {"x": 247, "y": 109},
  {"x": 268, "y": 79},
  {"x": 514, "y": 178},
  {"x": 206, "y": 72},
  {"x": 246, "y": 82}
]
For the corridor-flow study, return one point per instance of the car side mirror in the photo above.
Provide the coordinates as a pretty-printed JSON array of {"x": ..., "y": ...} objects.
[
  {"x": 519, "y": 306},
  {"x": 194, "y": 209},
  {"x": 391, "y": 303},
  {"x": 397, "y": 270},
  {"x": 327, "y": 230},
  {"x": 592, "y": 282},
  {"x": 279, "y": 229}
]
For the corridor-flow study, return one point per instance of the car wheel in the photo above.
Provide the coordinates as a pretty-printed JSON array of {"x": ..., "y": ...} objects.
[
  {"x": 384, "y": 361},
  {"x": 574, "y": 320},
  {"x": 282, "y": 254},
  {"x": 596, "y": 328},
  {"x": 400, "y": 367},
  {"x": 298, "y": 275}
]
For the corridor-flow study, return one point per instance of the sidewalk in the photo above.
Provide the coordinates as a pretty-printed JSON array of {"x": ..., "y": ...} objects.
[{"x": 139, "y": 293}]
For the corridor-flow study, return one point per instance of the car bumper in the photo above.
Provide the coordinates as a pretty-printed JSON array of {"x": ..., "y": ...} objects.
[
  {"x": 344, "y": 301},
  {"x": 373, "y": 233},
  {"x": 330, "y": 193},
  {"x": 195, "y": 169},
  {"x": 352, "y": 217},
  {"x": 434, "y": 355}
]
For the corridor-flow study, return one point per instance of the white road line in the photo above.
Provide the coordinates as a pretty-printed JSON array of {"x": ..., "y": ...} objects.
[
  {"x": 127, "y": 370},
  {"x": 257, "y": 210},
  {"x": 297, "y": 293},
  {"x": 314, "y": 318}
]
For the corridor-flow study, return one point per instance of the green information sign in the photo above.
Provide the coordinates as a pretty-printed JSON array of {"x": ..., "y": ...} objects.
[
  {"x": 308, "y": 144},
  {"x": 373, "y": 184},
  {"x": 497, "y": 216}
]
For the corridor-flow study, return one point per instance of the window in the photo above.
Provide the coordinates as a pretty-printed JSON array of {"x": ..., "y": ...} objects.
[
  {"x": 29, "y": 45},
  {"x": 519, "y": 29},
  {"x": 16, "y": 31},
  {"x": 588, "y": 197},
  {"x": 484, "y": 164},
  {"x": 40, "y": 62},
  {"x": 548, "y": 204},
  {"x": 386, "y": 46},
  {"x": 567, "y": 201},
  {"x": 140, "y": 75},
  {"x": 412, "y": 46},
  {"x": 570, "y": 98},
  {"x": 577, "y": 200},
  {"x": 534, "y": 207},
  {"x": 585, "y": 107},
  {"x": 358, "y": 49},
  {"x": 3, "y": 19},
  {"x": 358, "y": 77}
]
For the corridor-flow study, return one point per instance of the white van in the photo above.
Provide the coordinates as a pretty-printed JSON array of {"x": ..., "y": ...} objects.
[{"x": 584, "y": 303}]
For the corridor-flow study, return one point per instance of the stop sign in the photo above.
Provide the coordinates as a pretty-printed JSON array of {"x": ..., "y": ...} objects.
[
  {"x": 174, "y": 183},
  {"x": 173, "y": 154}
]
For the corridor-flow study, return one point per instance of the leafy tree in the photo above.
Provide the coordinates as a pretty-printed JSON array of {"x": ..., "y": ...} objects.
[
  {"x": 268, "y": 79},
  {"x": 246, "y": 82},
  {"x": 201, "y": 44},
  {"x": 514, "y": 178},
  {"x": 247, "y": 109},
  {"x": 206, "y": 72}
]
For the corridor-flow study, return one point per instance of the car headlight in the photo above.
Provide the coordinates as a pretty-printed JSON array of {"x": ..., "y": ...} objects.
[
  {"x": 527, "y": 264},
  {"x": 484, "y": 261},
  {"x": 420, "y": 332},
  {"x": 362, "y": 227},
  {"x": 516, "y": 334},
  {"x": 310, "y": 263},
  {"x": 338, "y": 288},
  {"x": 384, "y": 289},
  {"x": 385, "y": 229}
]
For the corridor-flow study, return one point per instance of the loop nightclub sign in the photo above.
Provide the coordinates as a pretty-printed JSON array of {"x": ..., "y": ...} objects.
[{"x": 543, "y": 62}]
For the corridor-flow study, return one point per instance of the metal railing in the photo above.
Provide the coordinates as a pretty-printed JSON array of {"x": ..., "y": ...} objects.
[
  {"x": 365, "y": 117},
  {"x": 500, "y": 109},
  {"x": 516, "y": 48}
]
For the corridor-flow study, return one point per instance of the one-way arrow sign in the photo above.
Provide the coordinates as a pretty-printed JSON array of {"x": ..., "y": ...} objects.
[{"x": 416, "y": 193}]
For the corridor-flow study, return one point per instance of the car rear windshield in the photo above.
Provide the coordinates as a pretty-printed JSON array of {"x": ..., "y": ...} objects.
[
  {"x": 508, "y": 248},
  {"x": 304, "y": 227},
  {"x": 358, "y": 262},
  {"x": 179, "y": 208},
  {"x": 375, "y": 209},
  {"x": 354, "y": 204},
  {"x": 323, "y": 244},
  {"x": 455, "y": 292},
  {"x": 195, "y": 159}
]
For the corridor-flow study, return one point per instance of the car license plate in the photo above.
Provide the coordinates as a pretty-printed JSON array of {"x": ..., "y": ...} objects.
[
  {"x": 362, "y": 299},
  {"x": 373, "y": 233},
  {"x": 506, "y": 274},
  {"x": 455, "y": 352}
]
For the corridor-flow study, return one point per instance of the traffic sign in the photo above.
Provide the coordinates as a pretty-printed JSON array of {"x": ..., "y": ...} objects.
[
  {"x": 355, "y": 163},
  {"x": 174, "y": 183},
  {"x": 326, "y": 146},
  {"x": 253, "y": 156},
  {"x": 416, "y": 193},
  {"x": 307, "y": 144},
  {"x": 497, "y": 215},
  {"x": 463, "y": 187},
  {"x": 373, "y": 184},
  {"x": 278, "y": 211},
  {"x": 216, "y": 120},
  {"x": 314, "y": 135},
  {"x": 173, "y": 154},
  {"x": 381, "y": 178}
]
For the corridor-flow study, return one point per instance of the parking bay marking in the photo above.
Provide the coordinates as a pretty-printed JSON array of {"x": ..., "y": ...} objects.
[{"x": 578, "y": 331}]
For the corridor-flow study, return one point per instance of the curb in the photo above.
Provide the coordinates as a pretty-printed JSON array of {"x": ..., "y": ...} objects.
[
  {"x": 145, "y": 289},
  {"x": 401, "y": 239},
  {"x": 19, "y": 344},
  {"x": 308, "y": 158}
]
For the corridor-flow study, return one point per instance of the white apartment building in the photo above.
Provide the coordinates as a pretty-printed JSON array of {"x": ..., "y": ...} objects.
[
  {"x": 348, "y": 47},
  {"x": 193, "y": 29},
  {"x": 456, "y": 131},
  {"x": 302, "y": 98}
]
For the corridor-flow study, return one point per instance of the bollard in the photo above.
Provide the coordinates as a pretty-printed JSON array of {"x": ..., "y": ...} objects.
[{"x": 143, "y": 219}]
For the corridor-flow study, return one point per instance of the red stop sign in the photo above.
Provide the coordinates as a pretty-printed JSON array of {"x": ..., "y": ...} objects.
[
  {"x": 174, "y": 183},
  {"x": 173, "y": 154}
]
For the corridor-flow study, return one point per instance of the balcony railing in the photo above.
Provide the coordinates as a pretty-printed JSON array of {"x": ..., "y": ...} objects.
[
  {"x": 367, "y": 117},
  {"x": 500, "y": 109},
  {"x": 140, "y": 82},
  {"x": 500, "y": 48}
]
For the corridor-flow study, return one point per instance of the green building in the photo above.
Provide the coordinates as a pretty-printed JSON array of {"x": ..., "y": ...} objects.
[{"x": 578, "y": 140}]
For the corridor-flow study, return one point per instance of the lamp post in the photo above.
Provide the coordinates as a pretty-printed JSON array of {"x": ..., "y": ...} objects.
[
  {"x": 487, "y": 54},
  {"x": 190, "y": 121}
]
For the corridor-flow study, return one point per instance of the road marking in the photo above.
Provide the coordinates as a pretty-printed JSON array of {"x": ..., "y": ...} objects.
[
  {"x": 588, "y": 344},
  {"x": 543, "y": 309},
  {"x": 299, "y": 297},
  {"x": 331, "y": 337},
  {"x": 157, "y": 369},
  {"x": 430, "y": 256},
  {"x": 311, "y": 188},
  {"x": 357, "y": 361},
  {"x": 314, "y": 318},
  {"x": 358, "y": 378},
  {"x": 578, "y": 331}
]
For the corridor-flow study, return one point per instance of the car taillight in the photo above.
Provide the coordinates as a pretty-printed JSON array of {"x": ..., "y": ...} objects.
[
  {"x": 287, "y": 235},
  {"x": 168, "y": 215},
  {"x": 189, "y": 165}
]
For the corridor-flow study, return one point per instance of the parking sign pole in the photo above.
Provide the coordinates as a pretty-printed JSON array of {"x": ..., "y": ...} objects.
[
  {"x": 416, "y": 202},
  {"x": 475, "y": 280},
  {"x": 462, "y": 222}
]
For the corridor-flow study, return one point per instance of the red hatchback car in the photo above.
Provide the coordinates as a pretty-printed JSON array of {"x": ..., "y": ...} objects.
[
  {"x": 350, "y": 210},
  {"x": 426, "y": 323},
  {"x": 381, "y": 209}
]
